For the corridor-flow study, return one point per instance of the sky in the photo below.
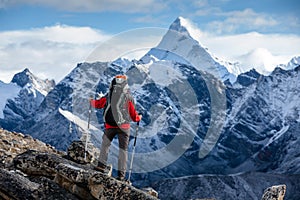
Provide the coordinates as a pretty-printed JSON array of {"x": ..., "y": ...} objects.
[{"x": 51, "y": 36}]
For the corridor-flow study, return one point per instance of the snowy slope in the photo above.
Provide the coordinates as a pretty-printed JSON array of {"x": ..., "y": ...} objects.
[
  {"x": 7, "y": 91},
  {"x": 292, "y": 64}
]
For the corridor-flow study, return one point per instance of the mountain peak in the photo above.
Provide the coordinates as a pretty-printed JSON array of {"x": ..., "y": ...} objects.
[
  {"x": 27, "y": 77},
  {"x": 22, "y": 78},
  {"x": 186, "y": 27},
  {"x": 179, "y": 26},
  {"x": 181, "y": 44},
  {"x": 247, "y": 78}
]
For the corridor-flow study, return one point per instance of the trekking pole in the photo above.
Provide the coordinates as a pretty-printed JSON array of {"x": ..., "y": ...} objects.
[
  {"x": 88, "y": 128},
  {"x": 133, "y": 150}
]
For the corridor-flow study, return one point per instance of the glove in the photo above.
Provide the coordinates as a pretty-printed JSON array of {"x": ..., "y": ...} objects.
[{"x": 100, "y": 95}]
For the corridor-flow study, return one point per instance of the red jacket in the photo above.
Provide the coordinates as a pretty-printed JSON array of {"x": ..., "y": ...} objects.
[{"x": 100, "y": 103}]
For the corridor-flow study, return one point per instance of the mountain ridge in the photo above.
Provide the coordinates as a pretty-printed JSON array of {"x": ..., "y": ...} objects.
[{"x": 260, "y": 132}]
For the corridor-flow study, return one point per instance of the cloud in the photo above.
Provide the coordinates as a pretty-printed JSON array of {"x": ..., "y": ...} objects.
[
  {"x": 252, "y": 49},
  {"x": 262, "y": 60},
  {"x": 247, "y": 20},
  {"x": 128, "y": 6},
  {"x": 239, "y": 44},
  {"x": 146, "y": 19},
  {"x": 50, "y": 52}
]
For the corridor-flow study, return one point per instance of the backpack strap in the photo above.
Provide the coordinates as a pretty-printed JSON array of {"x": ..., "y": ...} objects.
[{"x": 107, "y": 105}]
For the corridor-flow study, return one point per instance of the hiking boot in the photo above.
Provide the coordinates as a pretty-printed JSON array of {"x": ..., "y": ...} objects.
[{"x": 121, "y": 178}]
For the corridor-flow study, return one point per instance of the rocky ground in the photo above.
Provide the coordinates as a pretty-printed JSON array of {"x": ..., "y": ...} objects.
[{"x": 30, "y": 169}]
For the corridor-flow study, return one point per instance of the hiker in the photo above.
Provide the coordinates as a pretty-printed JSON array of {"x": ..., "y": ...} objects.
[{"x": 119, "y": 110}]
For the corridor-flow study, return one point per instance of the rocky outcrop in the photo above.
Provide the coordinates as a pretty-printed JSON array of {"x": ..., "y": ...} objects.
[
  {"x": 17, "y": 186},
  {"x": 12, "y": 144},
  {"x": 76, "y": 152},
  {"x": 45, "y": 173},
  {"x": 276, "y": 192},
  {"x": 80, "y": 180}
]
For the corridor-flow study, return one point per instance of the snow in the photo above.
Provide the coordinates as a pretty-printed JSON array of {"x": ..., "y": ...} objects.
[
  {"x": 163, "y": 73},
  {"x": 292, "y": 64},
  {"x": 7, "y": 91},
  {"x": 76, "y": 120},
  {"x": 191, "y": 28},
  {"x": 236, "y": 107},
  {"x": 277, "y": 135}
]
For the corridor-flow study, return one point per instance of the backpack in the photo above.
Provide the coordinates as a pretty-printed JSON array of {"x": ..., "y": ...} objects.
[{"x": 115, "y": 110}]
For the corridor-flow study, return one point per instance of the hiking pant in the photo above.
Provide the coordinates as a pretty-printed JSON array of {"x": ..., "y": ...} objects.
[{"x": 123, "y": 136}]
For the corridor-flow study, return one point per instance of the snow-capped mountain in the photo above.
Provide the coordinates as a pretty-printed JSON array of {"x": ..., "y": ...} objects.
[
  {"x": 292, "y": 64},
  {"x": 172, "y": 88},
  {"x": 21, "y": 97},
  {"x": 178, "y": 45},
  {"x": 262, "y": 125}
]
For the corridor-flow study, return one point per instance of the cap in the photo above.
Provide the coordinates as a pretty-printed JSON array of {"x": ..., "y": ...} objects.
[{"x": 120, "y": 78}]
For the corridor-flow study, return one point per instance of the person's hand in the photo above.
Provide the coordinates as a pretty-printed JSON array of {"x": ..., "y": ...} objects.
[
  {"x": 140, "y": 116},
  {"x": 100, "y": 95}
]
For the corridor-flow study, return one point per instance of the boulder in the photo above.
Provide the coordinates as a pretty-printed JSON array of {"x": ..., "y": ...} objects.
[
  {"x": 276, "y": 192},
  {"x": 16, "y": 186},
  {"x": 76, "y": 152}
]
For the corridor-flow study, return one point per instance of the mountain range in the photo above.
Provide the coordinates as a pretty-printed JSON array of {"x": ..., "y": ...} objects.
[{"x": 198, "y": 118}]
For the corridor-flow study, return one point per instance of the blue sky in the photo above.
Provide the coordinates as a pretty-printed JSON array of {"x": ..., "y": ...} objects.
[
  {"x": 39, "y": 34},
  {"x": 282, "y": 16}
]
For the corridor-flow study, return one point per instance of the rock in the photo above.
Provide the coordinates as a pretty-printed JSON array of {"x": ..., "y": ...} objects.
[
  {"x": 80, "y": 180},
  {"x": 151, "y": 191},
  {"x": 12, "y": 144},
  {"x": 41, "y": 164},
  {"x": 30, "y": 169},
  {"x": 274, "y": 193},
  {"x": 104, "y": 186},
  {"x": 76, "y": 152},
  {"x": 16, "y": 186}
]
